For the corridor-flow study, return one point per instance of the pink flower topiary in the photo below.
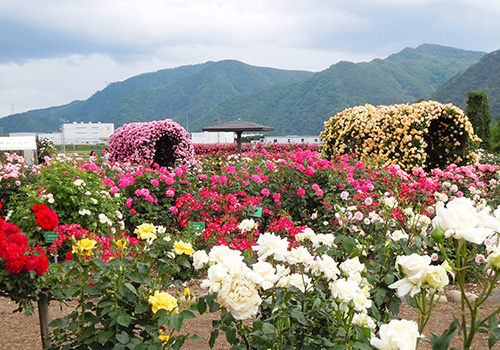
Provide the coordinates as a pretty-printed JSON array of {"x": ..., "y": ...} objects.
[{"x": 161, "y": 142}]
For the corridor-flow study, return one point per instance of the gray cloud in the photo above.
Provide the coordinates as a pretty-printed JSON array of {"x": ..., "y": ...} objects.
[{"x": 53, "y": 52}]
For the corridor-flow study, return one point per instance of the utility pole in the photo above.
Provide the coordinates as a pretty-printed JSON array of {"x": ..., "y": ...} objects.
[{"x": 62, "y": 135}]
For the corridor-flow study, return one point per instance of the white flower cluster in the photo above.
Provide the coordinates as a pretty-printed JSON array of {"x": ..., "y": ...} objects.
[
  {"x": 461, "y": 219},
  {"x": 237, "y": 284},
  {"x": 397, "y": 334},
  {"x": 419, "y": 273}
]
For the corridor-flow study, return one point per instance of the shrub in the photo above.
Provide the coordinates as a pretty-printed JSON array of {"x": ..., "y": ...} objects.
[
  {"x": 425, "y": 134},
  {"x": 161, "y": 142},
  {"x": 45, "y": 148}
]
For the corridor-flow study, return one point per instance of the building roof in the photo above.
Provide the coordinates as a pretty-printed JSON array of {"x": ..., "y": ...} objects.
[
  {"x": 17, "y": 143},
  {"x": 238, "y": 125}
]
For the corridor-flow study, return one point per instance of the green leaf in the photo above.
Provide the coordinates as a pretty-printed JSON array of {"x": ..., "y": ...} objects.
[
  {"x": 267, "y": 328},
  {"x": 136, "y": 277},
  {"x": 495, "y": 332},
  {"x": 188, "y": 315},
  {"x": 72, "y": 291},
  {"x": 131, "y": 287},
  {"x": 179, "y": 341},
  {"x": 59, "y": 323},
  {"x": 231, "y": 335},
  {"x": 141, "y": 308},
  {"x": 348, "y": 244},
  {"x": 99, "y": 263},
  {"x": 124, "y": 320},
  {"x": 104, "y": 337},
  {"x": 201, "y": 306},
  {"x": 299, "y": 316},
  {"x": 442, "y": 342},
  {"x": 122, "y": 337},
  {"x": 213, "y": 337},
  {"x": 176, "y": 321},
  {"x": 142, "y": 267},
  {"x": 196, "y": 338}
]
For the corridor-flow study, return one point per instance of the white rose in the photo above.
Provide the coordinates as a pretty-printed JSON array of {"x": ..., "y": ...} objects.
[
  {"x": 399, "y": 234},
  {"x": 326, "y": 265},
  {"x": 215, "y": 275},
  {"x": 493, "y": 259},
  {"x": 460, "y": 219},
  {"x": 320, "y": 239},
  {"x": 415, "y": 269},
  {"x": 437, "y": 278},
  {"x": 269, "y": 244},
  {"x": 307, "y": 234},
  {"x": 389, "y": 202},
  {"x": 363, "y": 320},
  {"x": 352, "y": 266},
  {"x": 396, "y": 335},
  {"x": 299, "y": 255},
  {"x": 79, "y": 183},
  {"x": 302, "y": 282},
  {"x": 240, "y": 296},
  {"x": 200, "y": 259},
  {"x": 268, "y": 272},
  {"x": 103, "y": 218},
  {"x": 247, "y": 225},
  {"x": 345, "y": 290},
  {"x": 219, "y": 253}
]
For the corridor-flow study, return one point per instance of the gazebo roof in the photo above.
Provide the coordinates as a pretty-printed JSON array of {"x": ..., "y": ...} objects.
[{"x": 238, "y": 126}]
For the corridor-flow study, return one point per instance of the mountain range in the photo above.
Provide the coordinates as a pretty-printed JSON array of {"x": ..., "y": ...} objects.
[{"x": 292, "y": 102}]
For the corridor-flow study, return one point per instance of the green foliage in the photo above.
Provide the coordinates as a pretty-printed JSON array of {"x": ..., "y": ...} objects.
[
  {"x": 482, "y": 76},
  {"x": 478, "y": 111},
  {"x": 77, "y": 195},
  {"x": 114, "y": 305},
  {"x": 401, "y": 78},
  {"x": 45, "y": 148}
]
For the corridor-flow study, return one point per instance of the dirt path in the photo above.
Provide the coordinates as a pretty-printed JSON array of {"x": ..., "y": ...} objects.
[{"x": 20, "y": 332}]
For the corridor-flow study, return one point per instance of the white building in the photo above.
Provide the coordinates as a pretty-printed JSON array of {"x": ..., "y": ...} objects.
[
  {"x": 212, "y": 137},
  {"x": 312, "y": 140},
  {"x": 86, "y": 133},
  {"x": 77, "y": 134}
]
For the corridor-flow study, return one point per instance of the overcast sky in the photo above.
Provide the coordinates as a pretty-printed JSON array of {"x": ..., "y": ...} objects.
[{"x": 55, "y": 51}]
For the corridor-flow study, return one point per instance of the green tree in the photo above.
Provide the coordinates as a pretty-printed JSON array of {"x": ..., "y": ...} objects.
[{"x": 478, "y": 111}]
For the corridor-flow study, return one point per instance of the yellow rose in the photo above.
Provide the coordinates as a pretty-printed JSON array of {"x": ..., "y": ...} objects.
[
  {"x": 181, "y": 247},
  {"x": 163, "y": 300},
  {"x": 165, "y": 338},
  {"x": 84, "y": 246},
  {"x": 146, "y": 231},
  {"x": 121, "y": 243}
]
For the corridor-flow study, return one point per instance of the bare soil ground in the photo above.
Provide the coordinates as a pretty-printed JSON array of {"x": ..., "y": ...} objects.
[{"x": 18, "y": 331}]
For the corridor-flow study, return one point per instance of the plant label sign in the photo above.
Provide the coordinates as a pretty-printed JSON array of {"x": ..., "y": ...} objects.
[
  {"x": 196, "y": 226},
  {"x": 255, "y": 211},
  {"x": 50, "y": 236}
]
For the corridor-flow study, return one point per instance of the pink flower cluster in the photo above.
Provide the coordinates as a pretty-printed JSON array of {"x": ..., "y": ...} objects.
[{"x": 137, "y": 143}]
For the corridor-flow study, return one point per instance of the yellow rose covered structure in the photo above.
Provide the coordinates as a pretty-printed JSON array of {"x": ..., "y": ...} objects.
[{"x": 427, "y": 134}]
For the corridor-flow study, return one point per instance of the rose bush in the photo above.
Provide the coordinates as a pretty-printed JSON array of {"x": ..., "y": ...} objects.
[
  {"x": 162, "y": 142},
  {"x": 426, "y": 134}
]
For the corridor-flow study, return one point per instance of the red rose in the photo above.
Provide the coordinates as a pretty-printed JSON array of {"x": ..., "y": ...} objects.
[
  {"x": 9, "y": 228},
  {"x": 47, "y": 219},
  {"x": 14, "y": 259},
  {"x": 16, "y": 238},
  {"x": 37, "y": 262},
  {"x": 69, "y": 256},
  {"x": 37, "y": 207}
]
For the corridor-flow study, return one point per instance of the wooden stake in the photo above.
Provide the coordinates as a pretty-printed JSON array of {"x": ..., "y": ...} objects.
[{"x": 43, "y": 315}]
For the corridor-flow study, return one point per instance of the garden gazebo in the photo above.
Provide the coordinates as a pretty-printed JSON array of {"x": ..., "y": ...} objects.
[{"x": 238, "y": 126}]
